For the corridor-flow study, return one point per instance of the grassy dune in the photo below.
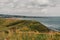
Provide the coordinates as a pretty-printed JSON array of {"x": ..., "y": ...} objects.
[{"x": 15, "y": 29}]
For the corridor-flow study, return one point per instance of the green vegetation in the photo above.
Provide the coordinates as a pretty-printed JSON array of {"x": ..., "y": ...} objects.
[
  {"x": 23, "y": 25},
  {"x": 15, "y": 29}
]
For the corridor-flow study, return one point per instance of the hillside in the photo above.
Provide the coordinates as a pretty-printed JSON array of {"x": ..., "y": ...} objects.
[
  {"x": 17, "y": 29},
  {"x": 22, "y": 25}
]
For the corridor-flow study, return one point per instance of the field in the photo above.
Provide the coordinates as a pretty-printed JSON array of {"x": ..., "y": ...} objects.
[
  {"x": 29, "y": 36},
  {"x": 16, "y": 29}
]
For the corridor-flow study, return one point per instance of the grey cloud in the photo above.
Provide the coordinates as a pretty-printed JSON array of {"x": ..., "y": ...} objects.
[
  {"x": 26, "y": 3},
  {"x": 25, "y": 6}
]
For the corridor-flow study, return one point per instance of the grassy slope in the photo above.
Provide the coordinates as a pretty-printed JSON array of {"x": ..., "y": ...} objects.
[
  {"x": 23, "y": 25},
  {"x": 18, "y": 26}
]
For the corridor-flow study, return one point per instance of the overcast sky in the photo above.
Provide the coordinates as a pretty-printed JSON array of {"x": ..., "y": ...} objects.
[{"x": 30, "y": 7}]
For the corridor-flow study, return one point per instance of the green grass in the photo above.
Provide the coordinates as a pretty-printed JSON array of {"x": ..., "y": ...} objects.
[
  {"x": 7, "y": 24},
  {"x": 14, "y": 29}
]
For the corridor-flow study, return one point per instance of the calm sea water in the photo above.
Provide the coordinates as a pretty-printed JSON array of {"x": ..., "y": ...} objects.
[{"x": 51, "y": 22}]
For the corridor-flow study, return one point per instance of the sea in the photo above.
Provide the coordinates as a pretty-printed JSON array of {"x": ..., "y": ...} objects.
[{"x": 52, "y": 23}]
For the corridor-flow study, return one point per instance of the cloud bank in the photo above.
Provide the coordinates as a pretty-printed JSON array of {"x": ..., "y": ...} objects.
[{"x": 25, "y": 7}]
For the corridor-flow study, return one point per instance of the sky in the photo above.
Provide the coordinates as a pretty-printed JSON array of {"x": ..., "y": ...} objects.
[{"x": 30, "y": 7}]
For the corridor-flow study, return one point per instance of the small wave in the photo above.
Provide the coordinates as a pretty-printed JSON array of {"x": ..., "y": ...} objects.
[{"x": 52, "y": 26}]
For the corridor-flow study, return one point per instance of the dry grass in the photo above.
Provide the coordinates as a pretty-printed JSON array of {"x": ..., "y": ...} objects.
[
  {"x": 19, "y": 35},
  {"x": 11, "y": 29}
]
